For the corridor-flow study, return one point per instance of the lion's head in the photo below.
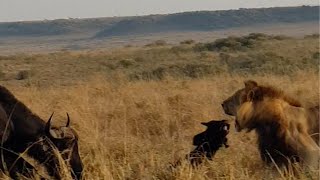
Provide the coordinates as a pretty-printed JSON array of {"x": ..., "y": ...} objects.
[{"x": 232, "y": 104}]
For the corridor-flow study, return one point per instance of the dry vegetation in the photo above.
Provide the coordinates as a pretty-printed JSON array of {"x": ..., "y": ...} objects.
[{"x": 137, "y": 109}]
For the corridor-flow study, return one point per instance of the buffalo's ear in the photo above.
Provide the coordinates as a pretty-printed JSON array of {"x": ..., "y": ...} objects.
[
  {"x": 250, "y": 84},
  {"x": 54, "y": 134}
]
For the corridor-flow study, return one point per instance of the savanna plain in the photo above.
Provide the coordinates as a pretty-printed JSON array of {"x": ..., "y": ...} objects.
[{"x": 136, "y": 109}]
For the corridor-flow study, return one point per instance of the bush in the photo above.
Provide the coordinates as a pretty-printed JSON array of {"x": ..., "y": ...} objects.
[
  {"x": 266, "y": 63},
  {"x": 280, "y": 37},
  {"x": 179, "y": 49},
  {"x": 2, "y": 75},
  {"x": 316, "y": 55},
  {"x": 128, "y": 46},
  {"x": 126, "y": 63},
  {"x": 4, "y": 57},
  {"x": 156, "y": 74},
  {"x": 200, "y": 47},
  {"x": 235, "y": 43},
  {"x": 157, "y": 43},
  {"x": 194, "y": 70},
  {"x": 312, "y": 36},
  {"x": 188, "y": 41},
  {"x": 23, "y": 74},
  {"x": 257, "y": 36}
]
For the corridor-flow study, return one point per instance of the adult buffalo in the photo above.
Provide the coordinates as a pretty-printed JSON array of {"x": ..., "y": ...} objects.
[{"x": 23, "y": 131}]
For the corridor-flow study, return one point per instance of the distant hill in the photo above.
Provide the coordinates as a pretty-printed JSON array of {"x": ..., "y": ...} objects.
[
  {"x": 210, "y": 20},
  {"x": 188, "y": 21},
  {"x": 56, "y": 27}
]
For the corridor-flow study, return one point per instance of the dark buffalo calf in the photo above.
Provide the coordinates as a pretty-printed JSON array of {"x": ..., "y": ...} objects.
[{"x": 208, "y": 142}]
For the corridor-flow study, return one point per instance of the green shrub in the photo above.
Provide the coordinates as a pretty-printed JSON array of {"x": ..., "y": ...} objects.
[
  {"x": 188, "y": 41},
  {"x": 4, "y": 57},
  {"x": 156, "y": 74},
  {"x": 179, "y": 49},
  {"x": 2, "y": 75},
  {"x": 312, "y": 36},
  {"x": 316, "y": 55},
  {"x": 157, "y": 43},
  {"x": 200, "y": 47},
  {"x": 22, "y": 75},
  {"x": 236, "y": 43},
  {"x": 126, "y": 63}
]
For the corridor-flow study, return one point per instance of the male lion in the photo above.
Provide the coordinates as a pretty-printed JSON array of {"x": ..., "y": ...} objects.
[
  {"x": 281, "y": 125},
  {"x": 232, "y": 104}
]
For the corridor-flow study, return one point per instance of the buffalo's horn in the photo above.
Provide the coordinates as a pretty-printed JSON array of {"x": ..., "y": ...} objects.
[
  {"x": 68, "y": 121},
  {"x": 48, "y": 124}
]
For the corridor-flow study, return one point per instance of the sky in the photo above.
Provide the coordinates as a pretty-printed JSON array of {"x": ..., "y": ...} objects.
[{"x": 21, "y": 10}]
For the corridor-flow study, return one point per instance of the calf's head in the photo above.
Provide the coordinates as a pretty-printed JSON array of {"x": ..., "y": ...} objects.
[
  {"x": 214, "y": 135},
  {"x": 65, "y": 140}
]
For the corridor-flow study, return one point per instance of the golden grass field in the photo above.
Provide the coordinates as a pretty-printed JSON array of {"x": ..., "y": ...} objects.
[{"x": 134, "y": 129}]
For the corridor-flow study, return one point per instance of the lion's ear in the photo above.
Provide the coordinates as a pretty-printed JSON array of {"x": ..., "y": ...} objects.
[
  {"x": 250, "y": 84},
  {"x": 250, "y": 95},
  {"x": 254, "y": 94}
]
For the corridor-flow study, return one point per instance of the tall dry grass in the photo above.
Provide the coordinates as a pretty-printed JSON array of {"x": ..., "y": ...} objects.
[{"x": 135, "y": 129}]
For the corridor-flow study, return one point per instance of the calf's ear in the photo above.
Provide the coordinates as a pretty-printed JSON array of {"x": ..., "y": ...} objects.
[
  {"x": 205, "y": 124},
  {"x": 55, "y": 134}
]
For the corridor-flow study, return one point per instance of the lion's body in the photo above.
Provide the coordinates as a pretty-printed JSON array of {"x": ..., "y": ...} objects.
[
  {"x": 232, "y": 104},
  {"x": 313, "y": 122},
  {"x": 281, "y": 123},
  {"x": 281, "y": 131}
]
